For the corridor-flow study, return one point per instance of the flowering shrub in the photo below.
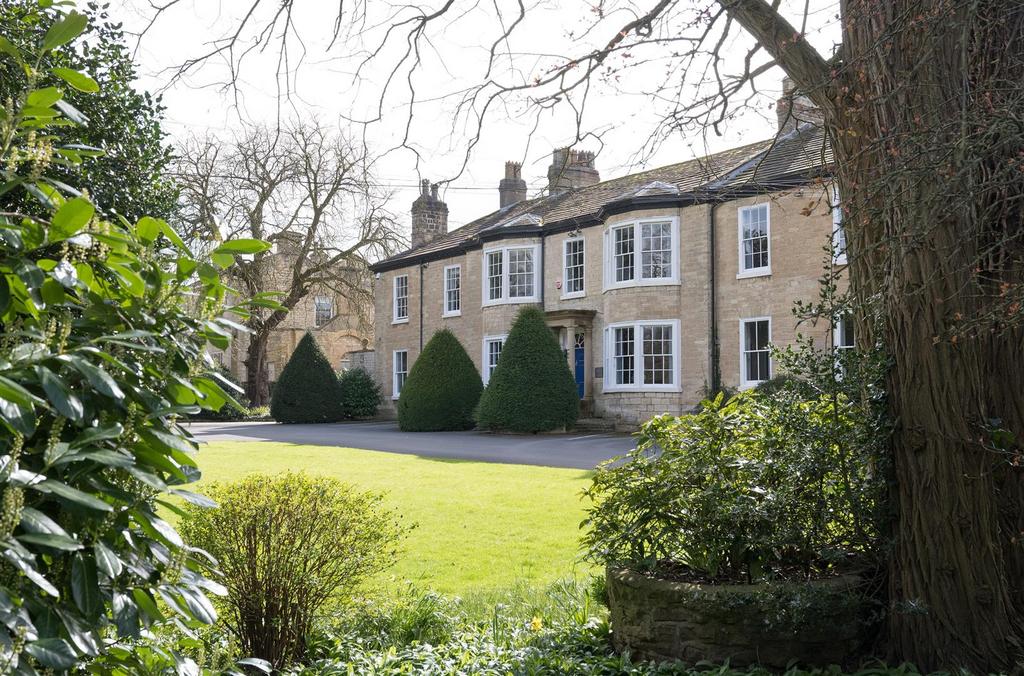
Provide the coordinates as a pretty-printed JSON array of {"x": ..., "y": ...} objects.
[{"x": 98, "y": 358}]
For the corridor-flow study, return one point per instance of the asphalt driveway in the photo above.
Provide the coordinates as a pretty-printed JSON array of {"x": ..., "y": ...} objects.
[{"x": 580, "y": 451}]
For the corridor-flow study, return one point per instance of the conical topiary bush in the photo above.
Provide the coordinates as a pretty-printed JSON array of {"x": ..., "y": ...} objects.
[
  {"x": 442, "y": 389},
  {"x": 531, "y": 389},
  {"x": 308, "y": 390}
]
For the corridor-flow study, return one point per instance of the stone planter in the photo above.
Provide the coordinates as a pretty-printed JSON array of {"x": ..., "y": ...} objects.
[{"x": 815, "y": 624}]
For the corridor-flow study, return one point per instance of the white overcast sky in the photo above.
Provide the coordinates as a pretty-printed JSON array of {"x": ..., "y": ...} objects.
[{"x": 324, "y": 88}]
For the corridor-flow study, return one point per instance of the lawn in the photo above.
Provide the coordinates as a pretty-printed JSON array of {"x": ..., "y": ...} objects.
[{"x": 478, "y": 526}]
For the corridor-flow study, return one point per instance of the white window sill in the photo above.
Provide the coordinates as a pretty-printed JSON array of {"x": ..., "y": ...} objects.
[
  {"x": 575, "y": 294},
  {"x": 641, "y": 284},
  {"x": 840, "y": 260},
  {"x": 447, "y": 315},
  {"x": 399, "y": 321},
  {"x": 750, "y": 384},
  {"x": 510, "y": 301},
  {"x": 394, "y": 397},
  {"x": 641, "y": 389},
  {"x": 759, "y": 272}
]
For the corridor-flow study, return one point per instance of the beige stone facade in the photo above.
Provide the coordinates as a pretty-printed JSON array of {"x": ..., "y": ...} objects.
[
  {"x": 657, "y": 332},
  {"x": 341, "y": 328}
]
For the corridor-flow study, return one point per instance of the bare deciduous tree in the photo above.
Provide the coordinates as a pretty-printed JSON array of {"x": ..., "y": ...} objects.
[
  {"x": 924, "y": 110},
  {"x": 305, "y": 189}
]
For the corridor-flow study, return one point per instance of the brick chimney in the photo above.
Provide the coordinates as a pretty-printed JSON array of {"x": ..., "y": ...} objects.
[
  {"x": 429, "y": 215},
  {"x": 794, "y": 108},
  {"x": 571, "y": 169},
  {"x": 512, "y": 188}
]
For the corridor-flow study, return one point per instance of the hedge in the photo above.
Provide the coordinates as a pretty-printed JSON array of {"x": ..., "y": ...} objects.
[
  {"x": 308, "y": 390},
  {"x": 532, "y": 388},
  {"x": 442, "y": 389}
]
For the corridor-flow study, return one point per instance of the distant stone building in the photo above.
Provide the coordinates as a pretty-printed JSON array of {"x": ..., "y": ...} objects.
[{"x": 342, "y": 328}]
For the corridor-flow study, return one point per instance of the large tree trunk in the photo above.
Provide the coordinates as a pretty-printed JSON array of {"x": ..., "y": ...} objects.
[
  {"x": 925, "y": 109},
  {"x": 257, "y": 380},
  {"x": 936, "y": 240}
]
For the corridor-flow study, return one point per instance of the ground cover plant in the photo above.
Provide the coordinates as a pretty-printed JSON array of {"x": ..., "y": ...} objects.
[
  {"x": 288, "y": 546},
  {"x": 99, "y": 355},
  {"x": 476, "y": 526},
  {"x": 308, "y": 390},
  {"x": 532, "y": 388},
  {"x": 442, "y": 390}
]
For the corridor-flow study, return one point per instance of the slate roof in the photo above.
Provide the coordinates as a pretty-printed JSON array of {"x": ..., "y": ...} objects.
[{"x": 765, "y": 166}]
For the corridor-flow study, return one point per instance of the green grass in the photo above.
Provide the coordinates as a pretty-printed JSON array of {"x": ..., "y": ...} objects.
[{"x": 478, "y": 526}]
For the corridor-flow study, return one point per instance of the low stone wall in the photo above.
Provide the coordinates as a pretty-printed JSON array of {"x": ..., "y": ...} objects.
[{"x": 817, "y": 623}]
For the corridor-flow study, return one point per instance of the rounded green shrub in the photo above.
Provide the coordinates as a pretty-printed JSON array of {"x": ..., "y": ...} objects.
[
  {"x": 289, "y": 546},
  {"x": 360, "y": 394},
  {"x": 308, "y": 390},
  {"x": 532, "y": 388},
  {"x": 442, "y": 389}
]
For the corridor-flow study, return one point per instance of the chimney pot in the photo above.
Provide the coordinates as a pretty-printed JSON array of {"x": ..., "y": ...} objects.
[
  {"x": 795, "y": 108},
  {"x": 429, "y": 215},
  {"x": 571, "y": 169},
  {"x": 512, "y": 188}
]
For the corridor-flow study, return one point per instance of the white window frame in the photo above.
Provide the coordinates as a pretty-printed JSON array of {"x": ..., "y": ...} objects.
[
  {"x": 485, "y": 370},
  {"x": 609, "y": 282},
  {"x": 316, "y": 310},
  {"x": 504, "y": 299},
  {"x": 395, "y": 389},
  {"x": 565, "y": 268},
  {"x": 638, "y": 385},
  {"x": 395, "y": 318},
  {"x": 765, "y": 269},
  {"x": 446, "y": 310},
  {"x": 837, "y": 334},
  {"x": 838, "y": 229},
  {"x": 744, "y": 382}
]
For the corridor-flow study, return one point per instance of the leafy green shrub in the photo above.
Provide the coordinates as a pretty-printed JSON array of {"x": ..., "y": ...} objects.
[
  {"x": 360, "y": 393},
  {"x": 288, "y": 546},
  {"x": 228, "y": 412},
  {"x": 97, "y": 355},
  {"x": 442, "y": 389},
  {"x": 756, "y": 487},
  {"x": 532, "y": 388},
  {"x": 308, "y": 390}
]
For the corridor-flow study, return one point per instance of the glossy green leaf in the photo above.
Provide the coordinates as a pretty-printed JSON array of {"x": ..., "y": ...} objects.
[
  {"x": 66, "y": 403},
  {"x": 44, "y": 97},
  {"x": 66, "y": 29},
  {"x": 223, "y": 260},
  {"x": 147, "y": 605},
  {"x": 7, "y": 47},
  {"x": 148, "y": 229},
  {"x": 53, "y": 653},
  {"x": 98, "y": 378},
  {"x": 73, "y": 495},
  {"x": 72, "y": 216},
  {"x": 35, "y": 521},
  {"x": 63, "y": 542},
  {"x": 79, "y": 81},
  {"x": 242, "y": 246},
  {"x": 13, "y": 392},
  {"x": 85, "y": 584}
]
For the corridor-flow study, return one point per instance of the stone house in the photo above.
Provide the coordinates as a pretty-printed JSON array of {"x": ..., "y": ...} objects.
[
  {"x": 661, "y": 285},
  {"x": 343, "y": 328}
]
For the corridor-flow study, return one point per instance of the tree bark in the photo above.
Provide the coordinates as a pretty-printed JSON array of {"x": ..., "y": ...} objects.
[
  {"x": 935, "y": 224},
  {"x": 257, "y": 379}
]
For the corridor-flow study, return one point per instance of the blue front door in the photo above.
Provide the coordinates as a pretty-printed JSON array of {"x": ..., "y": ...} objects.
[{"x": 580, "y": 364}]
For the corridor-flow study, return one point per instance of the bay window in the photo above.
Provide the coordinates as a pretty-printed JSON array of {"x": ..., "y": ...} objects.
[
  {"x": 642, "y": 355},
  {"x": 642, "y": 253}
]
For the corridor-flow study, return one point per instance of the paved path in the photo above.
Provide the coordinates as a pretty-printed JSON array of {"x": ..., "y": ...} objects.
[{"x": 552, "y": 450}]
